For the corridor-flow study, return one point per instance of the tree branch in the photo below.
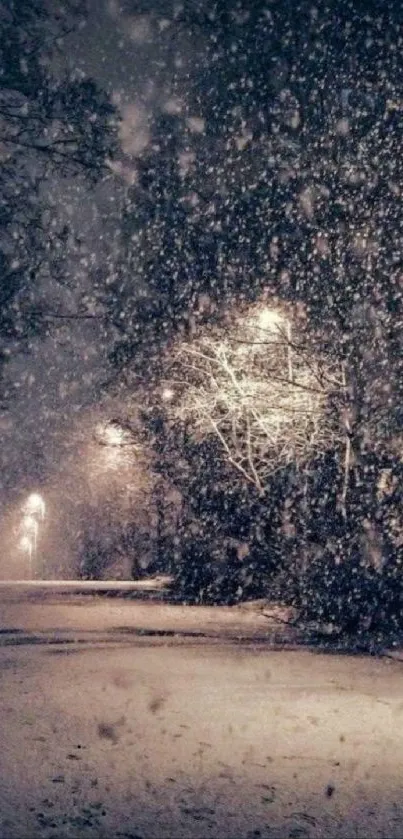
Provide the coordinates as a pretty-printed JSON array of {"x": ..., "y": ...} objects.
[
  {"x": 68, "y": 316},
  {"x": 50, "y": 151}
]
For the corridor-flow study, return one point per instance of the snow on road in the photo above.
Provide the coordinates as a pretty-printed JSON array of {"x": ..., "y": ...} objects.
[
  {"x": 158, "y": 738},
  {"x": 146, "y": 584},
  {"x": 74, "y": 611}
]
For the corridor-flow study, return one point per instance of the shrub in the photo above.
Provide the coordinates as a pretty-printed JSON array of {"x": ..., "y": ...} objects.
[{"x": 337, "y": 587}]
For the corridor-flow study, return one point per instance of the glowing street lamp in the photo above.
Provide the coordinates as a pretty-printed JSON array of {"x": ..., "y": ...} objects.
[
  {"x": 35, "y": 506},
  {"x": 33, "y": 511}
]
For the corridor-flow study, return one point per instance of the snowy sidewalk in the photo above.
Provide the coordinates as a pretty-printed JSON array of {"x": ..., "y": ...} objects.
[
  {"x": 74, "y": 610},
  {"x": 75, "y": 607}
]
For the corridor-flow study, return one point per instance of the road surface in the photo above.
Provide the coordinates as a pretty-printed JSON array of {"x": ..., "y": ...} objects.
[{"x": 139, "y": 719}]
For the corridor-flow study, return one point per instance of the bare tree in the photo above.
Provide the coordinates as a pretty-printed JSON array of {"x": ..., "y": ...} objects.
[{"x": 259, "y": 386}]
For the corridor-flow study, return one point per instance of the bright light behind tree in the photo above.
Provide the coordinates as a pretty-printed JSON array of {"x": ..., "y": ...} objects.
[
  {"x": 259, "y": 388},
  {"x": 113, "y": 436},
  {"x": 116, "y": 446},
  {"x": 167, "y": 394},
  {"x": 270, "y": 319}
]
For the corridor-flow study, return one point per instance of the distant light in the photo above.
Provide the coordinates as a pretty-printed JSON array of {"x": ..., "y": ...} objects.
[
  {"x": 35, "y": 506},
  {"x": 270, "y": 319},
  {"x": 33, "y": 511},
  {"x": 29, "y": 527},
  {"x": 25, "y": 544},
  {"x": 112, "y": 434},
  {"x": 167, "y": 394}
]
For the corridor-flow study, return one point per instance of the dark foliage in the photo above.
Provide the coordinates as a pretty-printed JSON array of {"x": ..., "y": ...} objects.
[
  {"x": 338, "y": 588},
  {"x": 49, "y": 126}
]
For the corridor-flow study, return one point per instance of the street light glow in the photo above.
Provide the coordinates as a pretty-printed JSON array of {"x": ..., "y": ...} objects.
[
  {"x": 33, "y": 511},
  {"x": 167, "y": 394},
  {"x": 270, "y": 319},
  {"x": 29, "y": 527},
  {"x": 116, "y": 443},
  {"x": 35, "y": 506},
  {"x": 112, "y": 434},
  {"x": 25, "y": 544}
]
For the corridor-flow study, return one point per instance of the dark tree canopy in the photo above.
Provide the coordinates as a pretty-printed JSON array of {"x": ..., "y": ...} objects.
[
  {"x": 51, "y": 126},
  {"x": 282, "y": 170}
]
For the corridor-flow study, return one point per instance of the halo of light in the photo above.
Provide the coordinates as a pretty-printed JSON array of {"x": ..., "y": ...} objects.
[
  {"x": 270, "y": 318},
  {"x": 34, "y": 506},
  {"x": 111, "y": 434}
]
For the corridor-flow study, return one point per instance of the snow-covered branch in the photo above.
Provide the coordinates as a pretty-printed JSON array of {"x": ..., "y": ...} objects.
[{"x": 260, "y": 391}]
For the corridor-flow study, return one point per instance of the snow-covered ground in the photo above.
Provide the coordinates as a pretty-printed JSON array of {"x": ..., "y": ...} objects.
[
  {"x": 146, "y": 584},
  {"x": 106, "y": 732},
  {"x": 70, "y": 610}
]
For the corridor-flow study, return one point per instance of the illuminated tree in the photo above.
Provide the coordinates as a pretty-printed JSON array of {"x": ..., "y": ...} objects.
[{"x": 259, "y": 388}]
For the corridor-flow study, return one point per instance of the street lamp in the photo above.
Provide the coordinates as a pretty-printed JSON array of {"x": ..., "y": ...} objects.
[
  {"x": 33, "y": 511},
  {"x": 35, "y": 506}
]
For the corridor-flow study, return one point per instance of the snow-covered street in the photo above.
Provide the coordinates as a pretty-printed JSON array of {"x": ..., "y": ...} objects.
[{"x": 112, "y": 730}]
